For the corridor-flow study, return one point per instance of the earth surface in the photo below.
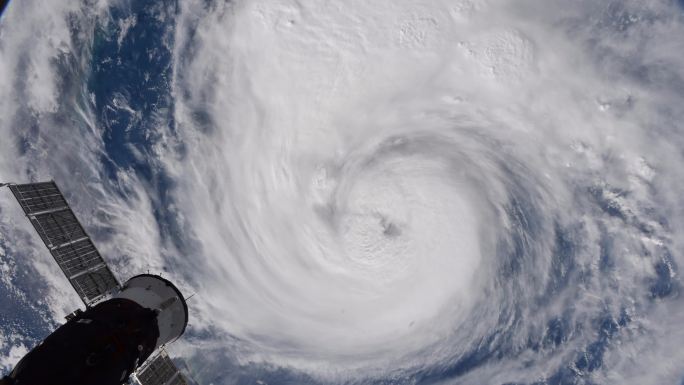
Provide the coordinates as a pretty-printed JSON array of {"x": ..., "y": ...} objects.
[{"x": 361, "y": 192}]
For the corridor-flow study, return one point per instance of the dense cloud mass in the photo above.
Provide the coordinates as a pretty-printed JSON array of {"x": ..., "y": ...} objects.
[{"x": 412, "y": 191}]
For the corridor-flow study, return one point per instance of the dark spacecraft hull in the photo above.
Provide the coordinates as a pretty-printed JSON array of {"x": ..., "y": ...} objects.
[{"x": 102, "y": 345}]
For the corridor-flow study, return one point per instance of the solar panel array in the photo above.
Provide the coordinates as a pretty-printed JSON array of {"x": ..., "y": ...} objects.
[
  {"x": 80, "y": 261},
  {"x": 58, "y": 227},
  {"x": 36, "y": 197},
  {"x": 160, "y": 370},
  {"x": 66, "y": 239}
]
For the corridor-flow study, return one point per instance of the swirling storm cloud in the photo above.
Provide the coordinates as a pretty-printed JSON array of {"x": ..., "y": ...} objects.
[{"x": 404, "y": 192}]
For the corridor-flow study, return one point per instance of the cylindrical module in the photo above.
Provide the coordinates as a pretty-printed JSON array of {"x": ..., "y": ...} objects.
[
  {"x": 155, "y": 292},
  {"x": 106, "y": 343}
]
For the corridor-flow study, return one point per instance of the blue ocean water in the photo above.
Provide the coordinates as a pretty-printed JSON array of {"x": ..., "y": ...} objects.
[{"x": 129, "y": 80}]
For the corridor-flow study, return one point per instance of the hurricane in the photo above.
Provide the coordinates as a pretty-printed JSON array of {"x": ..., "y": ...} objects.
[{"x": 386, "y": 192}]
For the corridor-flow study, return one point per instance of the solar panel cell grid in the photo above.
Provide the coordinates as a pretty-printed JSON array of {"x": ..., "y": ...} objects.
[
  {"x": 94, "y": 284},
  {"x": 36, "y": 197},
  {"x": 58, "y": 227},
  {"x": 77, "y": 257},
  {"x": 66, "y": 239},
  {"x": 158, "y": 371}
]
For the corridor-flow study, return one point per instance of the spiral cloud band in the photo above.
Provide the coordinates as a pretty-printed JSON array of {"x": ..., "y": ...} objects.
[{"x": 467, "y": 192}]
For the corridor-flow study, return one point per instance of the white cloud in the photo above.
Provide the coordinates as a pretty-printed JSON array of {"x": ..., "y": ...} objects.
[
  {"x": 14, "y": 352},
  {"x": 299, "y": 96},
  {"x": 344, "y": 168}
]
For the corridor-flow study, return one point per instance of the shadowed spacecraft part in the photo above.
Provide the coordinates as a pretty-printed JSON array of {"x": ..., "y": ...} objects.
[
  {"x": 122, "y": 325},
  {"x": 3, "y": 5}
]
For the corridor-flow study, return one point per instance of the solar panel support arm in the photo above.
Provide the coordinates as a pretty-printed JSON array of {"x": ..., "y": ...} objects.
[{"x": 35, "y": 214}]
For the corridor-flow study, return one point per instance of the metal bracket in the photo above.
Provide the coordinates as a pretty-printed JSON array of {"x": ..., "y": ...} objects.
[{"x": 73, "y": 314}]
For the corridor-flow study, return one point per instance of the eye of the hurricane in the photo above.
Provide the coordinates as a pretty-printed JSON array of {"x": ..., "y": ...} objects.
[{"x": 397, "y": 252}]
